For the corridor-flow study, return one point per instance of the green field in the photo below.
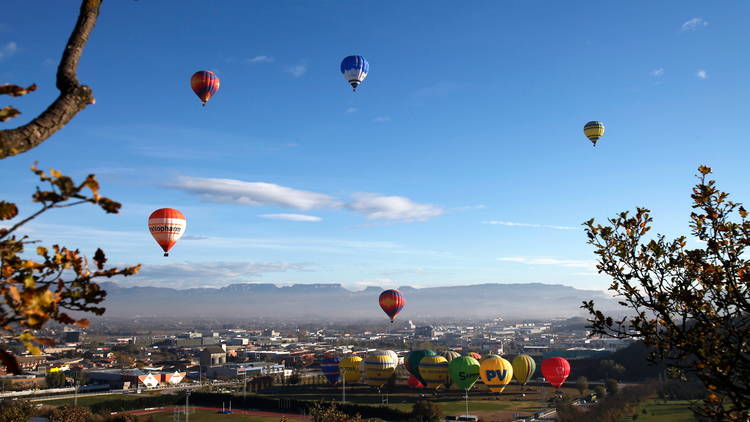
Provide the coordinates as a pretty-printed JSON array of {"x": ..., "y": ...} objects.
[
  {"x": 451, "y": 401},
  {"x": 210, "y": 416},
  {"x": 88, "y": 401},
  {"x": 672, "y": 411}
]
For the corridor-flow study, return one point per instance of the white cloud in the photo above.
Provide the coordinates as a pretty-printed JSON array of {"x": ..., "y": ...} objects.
[
  {"x": 259, "y": 59},
  {"x": 657, "y": 72},
  {"x": 7, "y": 50},
  {"x": 694, "y": 24},
  {"x": 381, "y": 119},
  {"x": 207, "y": 274},
  {"x": 512, "y": 224},
  {"x": 351, "y": 109},
  {"x": 379, "y": 207},
  {"x": 373, "y": 206},
  {"x": 701, "y": 74},
  {"x": 570, "y": 263},
  {"x": 230, "y": 191},
  {"x": 296, "y": 70},
  {"x": 291, "y": 217}
]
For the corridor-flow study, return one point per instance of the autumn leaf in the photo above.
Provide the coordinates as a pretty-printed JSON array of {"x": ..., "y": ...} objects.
[
  {"x": 15, "y": 90},
  {"x": 8, "y": 210},
  {"x": 8, "y": 113}
]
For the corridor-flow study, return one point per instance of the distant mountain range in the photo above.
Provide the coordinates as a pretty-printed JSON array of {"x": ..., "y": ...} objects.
[{"x": 316, "y": 302}]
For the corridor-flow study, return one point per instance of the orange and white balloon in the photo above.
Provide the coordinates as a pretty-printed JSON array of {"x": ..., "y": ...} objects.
[{"x": 167, "y": 226}]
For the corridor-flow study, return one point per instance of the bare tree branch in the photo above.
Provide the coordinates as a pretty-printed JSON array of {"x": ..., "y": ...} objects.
[{"x": 73, "y": 97}]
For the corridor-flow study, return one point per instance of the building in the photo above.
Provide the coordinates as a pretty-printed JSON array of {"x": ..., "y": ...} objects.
[
  {"x": 213, "y": 355},
  {"x": 129, "y": 378},
  {"x": 240, "y": 370}
]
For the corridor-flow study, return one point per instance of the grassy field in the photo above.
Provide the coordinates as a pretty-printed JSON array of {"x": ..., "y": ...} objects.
[
  {"x": 88, "y": 401},
  {"x": 672, "y": 411},
  {"x": 451, "y": 401},
  {"x": 211, "y": 416}
]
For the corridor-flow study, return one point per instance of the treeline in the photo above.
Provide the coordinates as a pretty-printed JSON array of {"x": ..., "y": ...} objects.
[{"x": 612, "y": 408}]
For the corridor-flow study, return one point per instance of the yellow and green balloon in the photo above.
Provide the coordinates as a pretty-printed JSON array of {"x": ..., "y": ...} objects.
[
  {"x": 523, "y": 368},
  {"x": 464, "y": 371}
]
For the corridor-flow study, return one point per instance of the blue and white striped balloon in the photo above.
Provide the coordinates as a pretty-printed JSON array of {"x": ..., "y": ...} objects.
[{"x": 355, "y": 70}]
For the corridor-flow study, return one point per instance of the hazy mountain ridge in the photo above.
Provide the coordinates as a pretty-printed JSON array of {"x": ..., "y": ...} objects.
[{"x": 334, "y": 302}]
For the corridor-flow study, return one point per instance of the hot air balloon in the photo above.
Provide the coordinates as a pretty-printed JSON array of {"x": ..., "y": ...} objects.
[
  {"x": 413, "y": 382},
  {"x": 464, "y": 371},
  {"x": 412, "y": 362},
  {"x": 449, "y": 355},
  {"x": 475, "y": 355},
  {"x": 392, "y": 301},
  {"x": 492, "y": 356},
  {"x": 379, "y": 367},
  {"x": 434, "y": 371},
  {"x": 354, "y": 69},
  {"x": 523, "y": 368},
  {"x": 349, "y": 368},
  {"x": 593, "y": 130},
  {"x": 330, "y": 367},
  {"x": 166, "y": 226},
  {"x": 496, "y": 373},
  {"x": 205, "y": 84},
  {"x": 555, "y": 370}
]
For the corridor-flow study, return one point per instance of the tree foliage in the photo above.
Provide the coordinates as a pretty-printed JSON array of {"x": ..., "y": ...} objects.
[
  {"x": 691, "y": 305},
  {"x": 15, "y": 411},
  {"x": 582, "y": 384},
  {"x": 73, "y": 97},
  {"x": 70, "y": 413},
  {"x": 34, "y": 291},
  {"x": 427, "y": 411},
  {"x": 321, "y": 413}
]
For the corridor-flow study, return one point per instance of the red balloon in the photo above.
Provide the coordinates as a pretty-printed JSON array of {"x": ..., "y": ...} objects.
[
  {"x": 556, "y": 370},
  {"x": 205, "y": 84},
  {"x": 414, "y": 382},
  {"x": 392, "y": 301}
]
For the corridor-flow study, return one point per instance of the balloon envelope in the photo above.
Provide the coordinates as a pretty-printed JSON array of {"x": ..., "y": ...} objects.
[
  {"x": 392, "y": 301},
  {"x": 464, "y": 371},
  {"x": 523, "y": 368},
  {"x": 379, "y": 367},
  {"x": 355, "y": 69},
  {"x": 434, "y": 371},
  {"x": 413, "y": 382},
  {"x": 475, "y": 355},
  {"x": 556, "y": 370},
  {"x": 205, "y": 84},
  {"x": 167, "y": 226},
  {"x": 412, "y": 362},
  {"x": 496, "y": 373},
  {"x": 593, "y": 130},
  {"x": 330, "y": 368},
  {"x": 449, "y": 355},
  {"x": 349, "y": 368}
]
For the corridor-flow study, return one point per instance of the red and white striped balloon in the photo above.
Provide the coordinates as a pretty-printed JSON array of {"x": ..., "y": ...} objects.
[{"x": 167, "y": 226}]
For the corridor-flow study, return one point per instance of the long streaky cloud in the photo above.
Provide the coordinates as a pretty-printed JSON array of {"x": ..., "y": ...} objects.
[
  {"x": 372, "y": 205},
  {"x": 291, "y": 217},
  {"x": 571, "y": 263},
  {"x": 512, "y": 224},
  {"x": 230, "y": 191}
]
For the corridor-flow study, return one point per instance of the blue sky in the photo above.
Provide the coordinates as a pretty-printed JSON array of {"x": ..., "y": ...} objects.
[{"x": 459, "y": 160}]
